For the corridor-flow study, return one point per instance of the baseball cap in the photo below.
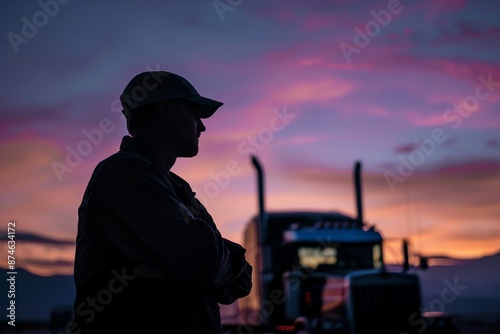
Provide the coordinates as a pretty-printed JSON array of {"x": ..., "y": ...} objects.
[{"x": 154, "y": 86}]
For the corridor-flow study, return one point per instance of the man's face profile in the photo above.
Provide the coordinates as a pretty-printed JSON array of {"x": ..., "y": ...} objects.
[{"x": 183, "y": 126}]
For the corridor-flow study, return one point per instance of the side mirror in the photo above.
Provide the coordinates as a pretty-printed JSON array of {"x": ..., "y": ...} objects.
[{"x": 423, "y": 263}]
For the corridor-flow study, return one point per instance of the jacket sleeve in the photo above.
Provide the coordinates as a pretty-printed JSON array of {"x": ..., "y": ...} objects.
[
  {"x": 240, "y": 283},
  {"x": 149, "y": 224}
]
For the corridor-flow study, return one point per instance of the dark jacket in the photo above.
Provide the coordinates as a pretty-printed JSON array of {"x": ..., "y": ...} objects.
[{"x": 133, "y": 214}]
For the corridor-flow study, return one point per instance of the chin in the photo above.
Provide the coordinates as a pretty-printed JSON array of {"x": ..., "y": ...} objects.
[{"x": 189, "y": 154}]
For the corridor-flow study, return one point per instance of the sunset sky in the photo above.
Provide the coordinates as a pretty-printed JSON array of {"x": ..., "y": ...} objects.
[{"x": 410, "y": 88}]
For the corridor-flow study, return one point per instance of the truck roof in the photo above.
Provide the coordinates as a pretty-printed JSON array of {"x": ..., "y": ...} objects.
[
  {"x": 309, "y": 216},
  {"x": 337, "y": 235},
  {"x": 312, "y": 224}
]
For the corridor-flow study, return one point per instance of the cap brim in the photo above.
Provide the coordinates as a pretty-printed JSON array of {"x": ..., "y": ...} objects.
[{"x": 207, "y": 106}]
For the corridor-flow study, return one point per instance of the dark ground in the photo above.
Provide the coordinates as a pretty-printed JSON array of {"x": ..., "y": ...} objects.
[{"x": 465, "y": 328}]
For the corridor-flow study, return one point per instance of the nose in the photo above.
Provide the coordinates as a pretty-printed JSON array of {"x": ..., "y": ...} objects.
[{"x": 199, "y": 125}]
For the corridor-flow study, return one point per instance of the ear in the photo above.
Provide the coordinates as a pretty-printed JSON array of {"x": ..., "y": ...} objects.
[{"x": 166, "y": 109}]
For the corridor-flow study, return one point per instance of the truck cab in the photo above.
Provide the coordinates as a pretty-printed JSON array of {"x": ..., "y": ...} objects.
[
  {"x": 320, "y": 272},
  {"x": 323, "y": 272}
]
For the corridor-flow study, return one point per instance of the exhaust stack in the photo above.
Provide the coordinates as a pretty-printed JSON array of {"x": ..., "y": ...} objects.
[
  {"x": 262, "y": 226},
  {"x": 359, "y": 199},
  {"x": 406, "y": 260}
]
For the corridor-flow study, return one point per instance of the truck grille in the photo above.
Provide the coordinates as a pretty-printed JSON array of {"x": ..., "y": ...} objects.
[{"x": 384, "y": 303}]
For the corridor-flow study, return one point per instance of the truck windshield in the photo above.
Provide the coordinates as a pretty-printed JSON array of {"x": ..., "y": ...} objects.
[{"x": 340, "y": 256}]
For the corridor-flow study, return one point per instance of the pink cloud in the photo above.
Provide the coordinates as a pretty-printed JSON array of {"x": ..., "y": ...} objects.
[
  {"x": 437, "y": 9},
  {"x": 493, "y": 143},
  {"x": 476, "y": 33},
  {"x": 408, "y": 148},
  {"x": 312, "y": 91},
  {"x": 318, "y": 22},
  {"x": 475, "y": 167},
  {"x": 304, "y": 139}
]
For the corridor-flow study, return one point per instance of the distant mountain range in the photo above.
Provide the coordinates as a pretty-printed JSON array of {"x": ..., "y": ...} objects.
[
  {"x": 36, "y": 296},
  {"x": 473, "y": 291},
  {"x": 473, "y": 288}
]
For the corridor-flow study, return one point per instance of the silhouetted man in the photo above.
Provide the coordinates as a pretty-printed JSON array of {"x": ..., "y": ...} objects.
[{"x": 149, "y": 258}]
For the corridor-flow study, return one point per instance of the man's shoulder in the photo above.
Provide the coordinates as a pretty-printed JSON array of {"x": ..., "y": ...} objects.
[
  {"x": 126, "y": 156},
  {"x": 123, "y": 162}
]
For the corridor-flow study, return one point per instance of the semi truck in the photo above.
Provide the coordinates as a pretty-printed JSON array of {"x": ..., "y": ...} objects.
[{"x": 323, "y": 272}]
